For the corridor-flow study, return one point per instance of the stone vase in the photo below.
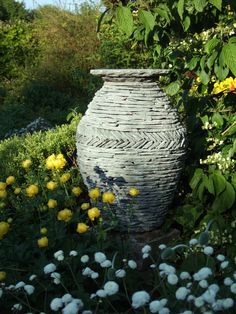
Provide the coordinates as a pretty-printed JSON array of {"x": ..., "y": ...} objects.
[{"x": 131, "y": 136}]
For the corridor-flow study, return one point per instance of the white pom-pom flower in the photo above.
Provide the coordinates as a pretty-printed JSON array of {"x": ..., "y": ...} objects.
[
  {"x": 73, "y": 253},
  {"x": 20, "y": 284},
  {"x": 146, "y": 249},
  {"x": 184, "y": 275},
  {"x": 224, "y": 264},
  {"x": 228, "y": 303},
  {"x": 132, "y": 264},
  {"x": 233, "y": 288},
  {"x": 203, "y": 283},
  {"x": 84, "y": 259},
  {"x": 120, "y": 273},
  {"x": 67, "y": 298},
  {"x": 94, "y": 275},
  {"x": 220, "y": 257},
  {"x": 228, "y": 281},
  {"x": 73, "y": 307},
  {"x": 17, "y": 307},
  {"x": 111, "y": 287},
  {"x": 32, "y": 277},
  {"x": 50, "y": 268},
  {"x": 59, "y": 255},
  {"x": 193, "y": 242},
  {"x": 181, "y": 293},
  {"x": 99, "y": 257},
  {"x": 87, "y": 271},
  {"x": 208, "y": 250},
  {"x": 162, "y": 246},
  {"x": 164, "y": 310},
  {"x": 199, "y": 302},
  {"x": 29, "y": 289},
  {"x": 106, "y": 263},
  {"x": 140, "y": 298},
  {"x": 203, "y": 273},
  {"x": 172, "y": 279},
  {"x": 56, "y": 304},
  {"x": 101, "y": 293},
  {"x": 56, "y": 278},
  {"x": 155, "y": 306}
]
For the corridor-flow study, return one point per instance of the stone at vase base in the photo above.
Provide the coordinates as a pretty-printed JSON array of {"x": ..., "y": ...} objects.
[{"x": 136, "y": 241}]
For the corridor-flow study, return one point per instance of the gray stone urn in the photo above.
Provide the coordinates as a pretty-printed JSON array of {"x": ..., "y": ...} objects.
[{"x": 131, "y": 136}]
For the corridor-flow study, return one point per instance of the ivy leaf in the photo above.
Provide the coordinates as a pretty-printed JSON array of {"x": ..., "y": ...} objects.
[
  {"x": 229, "y": 55},
  {"x": 180, "y": 8},
  {"x": 173, "y": 88},
  {"x": 216, "y": 3},
  {"x": 200, "y": 5},
  {"x": 124, "y": 19},
  {"x": 147, "y": 19},
  {"x": 211, "y": 45}
]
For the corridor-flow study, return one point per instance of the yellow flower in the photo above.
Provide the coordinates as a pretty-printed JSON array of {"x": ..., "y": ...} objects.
[
  {"x": 43, "y": 242},
  {"x": 65, "y": 177},
  {"x": 55, "y": 161},
  {"x": 108, "y": 197},
  {"x": 51, "y": 185},
  {"x": 76, "y": 191},
  {"x": 10, "y": 180},
  {"x": 94, "y": 193},
  {"x": 17, "y": 191},
  {"x": 85, "y": 206},
  {"x": 52, "y": 203},
  {"x": 3, "y": 185},
  {"x": 3, "y": 193},
  {"x": 26, "y": 163},
  {"x": 82, "y": 227},
  {"x": 32, "y": 190},
  {"x": 64, "y": 214},
  {"x": 43, "y": 230},
  {"x": 3, "y": 275},
  {"x": 93, "y": 213},
  {"x": 4, "y": 228},
  {"x": 133, "y": 192}
]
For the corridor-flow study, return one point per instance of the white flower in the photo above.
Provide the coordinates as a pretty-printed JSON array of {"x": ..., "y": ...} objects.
[
  {"x": 120, "y": 273},
  {"x": 193, "y": 242},
  {"x": 155, "y": 306},
  {"x": 209, "y": 296},
  {"x": 101, "y": 293},
  {"x": 181, "y": 293},
  {"x": 218, "y": 305},
  {"x": 59, "y": 255},
  {"x": 233, "y": 288},
  {"x": 184, "y": 275},
  {"x": 214, "y": 287},
  {"x": 73, "y": 307},
  {"x": 87, "y": 271},
  {"x": 87, "y": 312},
  {"x": 146, "y": 249},
  {"x": 153, "y": 266},
  {"x": 199, "y": 302},
  {"x": 67, "y": 298},
  {"x": 29, "y": 289},
  {"x": 187, "y": 312},
  {"x": 228, "y": 281},
  {"x": 167, "y": 269},
  {"x": 56, "y": 304},
  {"x": 73, "y": 253},
  {"x": 208, "y": 250},
  {"x": 106, "y": 263},
  {"x": 94, "y": 275},
  {"x": 1, "y": 292},
  {"x": 84, "y": 259},
  {"x": 224, "y": 264},
  {"x": 203, "y": 273},
  {"x": 145, "y": 255},
  {"x": 228, "y": 303},
  {"x": 190, "y": 298},
  {"x": 220, "y": 257},
  {"x": 111, "y": 287},
  {"x": 56, "y": 276},
  {"x": 19, "y": 285},
  {"x": 132, "y": 264},
  {"x": 50, "y": 268},
  {"x": 17, "y": 307},
  {"x": 140, "y": 298},
  {"x": 99, "y": 257},
  {"x": 164, "y": 310},
  {"x": 172, "y": 279},
  {"x": 32, "y": 277},
  {"x": 203, "y": 284},
  {"x": 189, "y": 284},
  {"x": 162, "y": 246},
  {"x": 93, "y": 295}
]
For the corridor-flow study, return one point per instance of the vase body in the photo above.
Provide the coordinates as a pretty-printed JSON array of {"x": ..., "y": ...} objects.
[{"x": 131, "y": 136}]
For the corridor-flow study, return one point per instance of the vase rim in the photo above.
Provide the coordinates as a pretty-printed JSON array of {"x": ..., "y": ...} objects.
[{"x": 129, "y": 72}]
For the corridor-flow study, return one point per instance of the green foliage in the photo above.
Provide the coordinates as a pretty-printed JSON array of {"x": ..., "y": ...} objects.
[{"x": 12, "y": 10}]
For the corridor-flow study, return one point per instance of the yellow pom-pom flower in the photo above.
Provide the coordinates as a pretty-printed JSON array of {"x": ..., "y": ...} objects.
[
  {"x": 4, "y": 228},
  {"x": 55, "y": 161},
  {"x": 17, "y": 191},
  {"x": 26, "y": 163},
  {"x": 32, "y": 190},
  {"x": 3, "y": 185},
  {"x": 52, "y": 203},
  {"x": 3, "y": 275},
  {"x": 10, "y": 180},
  {"x": 3, "y": 193},
  {"x": 43, "y": 242},
  {"x": 94, "y": 193},
  {"x": 93, "y": 213},
  {"x": 82, "y": 227},
  {"x": 85, "y": 206},
  {"x": 134, "y": 192},
  {"x": 108, "y": 197},
  {"x": 76, "y": 191},
  {"x": 51, "y": 185},
  {"x": 65, "y": 177},
  {"x": 43, "y": 230},
  {"x": 64, "y": 215}
]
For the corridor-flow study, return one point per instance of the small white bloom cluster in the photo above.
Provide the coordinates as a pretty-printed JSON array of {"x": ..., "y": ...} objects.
[
  {"x": 67, "y": 304},
  {"x": 170, "y": 272},
  {"x": 223, "y": 163},
  {"x": 146, "y": 251},
  {"x": 90, "y": 273},
  {"x": 110, "y": 288},
  {"x": 101, "y": 259}
]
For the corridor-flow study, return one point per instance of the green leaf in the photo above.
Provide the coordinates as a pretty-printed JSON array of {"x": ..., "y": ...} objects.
[
  {"x": 217, "y": 118},
  {"x": 124, "y": 20},
  {"x": 229, "y": 54},
  {"x": 167, "y": 253},
  {"x": 208, "y": 182},
  {"x": 180, "y": 8},
  {"x": 200, "y": 191},
  {"x": 200, "y": 5},
  {"x": 163, "y": 13},
  {"x": 198, "y": 174},
  {"x": 216, "y": 3},
  {"x": 221, "y": 72},
  {"x": 205, "y": 79},
  {"x": 232, "y": 40},
  {"x": 147, "y": 19},
  {"x": 186, "y": 23},
  {"x": 233, "y": 180},
  {"x": 204, "y": 238},
  {"x": 193, "y": 63},
  {"x": 211, "y": 45},
  {"x": 219, "y": 182},
  {"x": 211, "y": 59},
  {"x": 227, "y": 197},
  {"x": 173, "y": 88}
]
